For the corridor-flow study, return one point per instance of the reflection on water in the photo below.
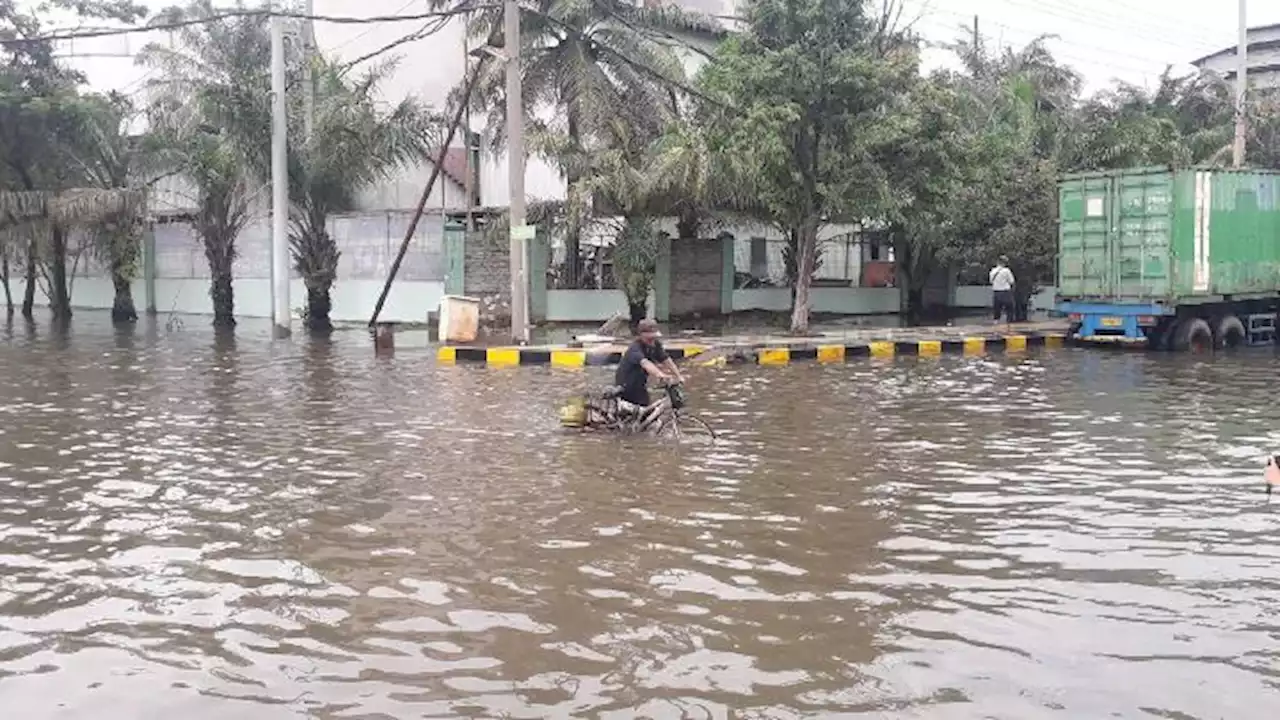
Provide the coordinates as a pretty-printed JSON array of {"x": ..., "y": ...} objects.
[{"x": 206, "y": 527}]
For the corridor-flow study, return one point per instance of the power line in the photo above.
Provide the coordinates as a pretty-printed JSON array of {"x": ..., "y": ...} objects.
[
  {"x": 1094, "y": 49},
  {"x": 233, "y": 14}
]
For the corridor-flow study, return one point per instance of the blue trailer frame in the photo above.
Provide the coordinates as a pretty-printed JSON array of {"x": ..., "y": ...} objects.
[{"x": 1113, "y": 321}]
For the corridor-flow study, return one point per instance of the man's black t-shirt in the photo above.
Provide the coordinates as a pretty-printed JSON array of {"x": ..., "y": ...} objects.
[{"x": 632, "y": 377}]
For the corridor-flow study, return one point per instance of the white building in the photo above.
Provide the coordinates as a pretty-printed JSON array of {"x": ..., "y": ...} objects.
[
  {"x": 430, "y": 68},
  {"x": 1262, "y": 57}
]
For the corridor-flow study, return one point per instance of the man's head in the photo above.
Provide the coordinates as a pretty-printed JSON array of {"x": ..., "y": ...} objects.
[
  {"x": 647, "y": 331},
  {"x": 1003, "y": 261}
]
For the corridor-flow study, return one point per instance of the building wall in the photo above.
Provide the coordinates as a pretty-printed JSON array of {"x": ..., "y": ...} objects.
[
  {"x": 1263, "y": 58},
  {"x": 431, "y": 67}
]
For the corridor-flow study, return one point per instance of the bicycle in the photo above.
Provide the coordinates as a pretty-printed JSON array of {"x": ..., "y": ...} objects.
[{"x": 666, "y": 417}]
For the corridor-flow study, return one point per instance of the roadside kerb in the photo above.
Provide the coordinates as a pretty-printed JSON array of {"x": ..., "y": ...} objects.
[{"x": 762, "y": 353}]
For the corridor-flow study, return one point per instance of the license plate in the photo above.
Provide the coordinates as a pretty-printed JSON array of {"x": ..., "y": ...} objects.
[{"x": 1112, "y": 322}]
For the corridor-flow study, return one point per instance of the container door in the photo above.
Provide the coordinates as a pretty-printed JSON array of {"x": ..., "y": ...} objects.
[
  {"x": 1085, "y": 207},
  {"x": 1142, "y": 236}
]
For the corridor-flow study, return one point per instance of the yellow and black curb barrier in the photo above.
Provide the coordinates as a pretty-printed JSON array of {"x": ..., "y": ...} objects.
[{"x": 761, "y": 354}]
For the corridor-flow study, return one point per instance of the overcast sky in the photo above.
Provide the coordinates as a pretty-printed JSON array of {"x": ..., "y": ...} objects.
[{"x": 1130, "y": 40}]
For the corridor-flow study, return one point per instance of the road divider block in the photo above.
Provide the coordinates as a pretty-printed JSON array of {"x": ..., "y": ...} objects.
[{"x": 713, "y": 356}]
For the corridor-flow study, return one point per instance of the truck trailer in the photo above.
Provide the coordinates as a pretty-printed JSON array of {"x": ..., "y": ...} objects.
[{"x": 1176, "y": 258}]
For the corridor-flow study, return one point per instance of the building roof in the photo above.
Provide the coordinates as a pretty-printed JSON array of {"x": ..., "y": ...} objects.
[
  {"x": 454, "y": 166},
  {"x": 1231, "y": 50}
]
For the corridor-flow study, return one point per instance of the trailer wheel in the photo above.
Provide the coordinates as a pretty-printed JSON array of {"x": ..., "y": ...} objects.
[
  {"x": 1229, "y": 332},
  {"x": 1192, "y": 334}
]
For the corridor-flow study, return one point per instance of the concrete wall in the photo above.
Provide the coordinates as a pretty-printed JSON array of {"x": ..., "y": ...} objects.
[
  {"x": 352, "y": 300},
  {"x": 841, "y": 301},
  {"x": 697, "y": 275},
  {"x": 979, "y": 296},
  {"x": 368, "y": 243},
  {"x": 487, "y": 276},
  {"x": 586, "y": 305}
]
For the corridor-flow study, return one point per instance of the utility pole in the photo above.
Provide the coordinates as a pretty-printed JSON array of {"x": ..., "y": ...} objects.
[
  {"x": 1242, "y": 88},
  {"x": 308, "y": 57},
  {"x": 280, "y": 310},
  {"x": 515, "y": 164},
  {"x": 467, "y": 188}
]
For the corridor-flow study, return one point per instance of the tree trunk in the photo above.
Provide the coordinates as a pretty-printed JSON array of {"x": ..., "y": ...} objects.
[
  {"x": 637, "y": 312},
  {"x": 60, "y": 303},
  {"x": 123, "y": 311},
  {"x": 224, "y": 302},
  {"x": 806, "y": 252},
  {"x": 790, "y": 260},
  {"x": 4, "y": 277},
  {"x": 687, "y": 226},
  {"x": 29, "y": 295},
  {"x": 319, "y": 306},
  {"x": 573, "y": 238}
]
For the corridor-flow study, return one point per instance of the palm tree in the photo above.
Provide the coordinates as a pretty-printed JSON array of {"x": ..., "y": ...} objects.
[
  {"x": 46, "y": 221},
  {"x": 215, "y": 80},
  {"x": 591, "y": 60},
  {"x": 355, "y": 143},
  {"x": 113, "y": 159}
]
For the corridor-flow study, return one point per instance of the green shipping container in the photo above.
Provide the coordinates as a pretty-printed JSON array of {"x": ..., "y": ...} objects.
[{"x": 1185, "y": 236}]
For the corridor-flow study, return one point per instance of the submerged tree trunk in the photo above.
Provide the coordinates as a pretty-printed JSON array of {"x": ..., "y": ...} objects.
[
  {"x": 60, "y": 295},
  {"x": 220, "y": 252},
  {"x": 319, "y": 306},
  {"x": 806, "y": 254},
  {"x": 224, "y": 302},
  {"x": 29, "y": 294},
  {"x": 911, "y": 272},
  {"x": 4, "y": 277},
  {"x": 123, "y": 310}
]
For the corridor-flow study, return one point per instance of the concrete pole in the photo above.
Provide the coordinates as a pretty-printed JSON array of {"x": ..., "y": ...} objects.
[
  {"x": 279, "y": 186},
  {"x": 149, "y": 267},
  {"x": 515, "y": 161},
  {"x": 308, "y": 57},
  {"x": 1242, "y": 88}
]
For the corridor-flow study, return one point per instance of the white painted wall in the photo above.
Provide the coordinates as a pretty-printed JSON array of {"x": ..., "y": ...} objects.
[{"x": 353, "y": 300}]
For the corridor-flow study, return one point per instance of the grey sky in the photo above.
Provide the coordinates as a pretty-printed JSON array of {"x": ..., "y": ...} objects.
[{"x": 1131, "y": 40}]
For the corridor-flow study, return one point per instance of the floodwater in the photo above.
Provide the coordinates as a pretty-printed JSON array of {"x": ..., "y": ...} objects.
[{"x": 203, "y": 530}]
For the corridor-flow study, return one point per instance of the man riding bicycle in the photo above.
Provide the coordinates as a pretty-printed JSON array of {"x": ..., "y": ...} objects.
[{"x": 645, "y": 358}]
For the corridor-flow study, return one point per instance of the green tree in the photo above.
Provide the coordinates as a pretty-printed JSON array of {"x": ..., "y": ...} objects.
[
  {"x": 355, "y": 142},
  {"x": 811, "y": 90},
  {"x": 590, "y": 61},
  {"x": 213, "y": 79},
  {"x": 113, "y": 159},
  {"x": 42, "y": 141}
]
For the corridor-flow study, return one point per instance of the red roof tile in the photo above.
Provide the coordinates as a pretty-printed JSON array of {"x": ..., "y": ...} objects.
[{"x": 455, "y": 164}]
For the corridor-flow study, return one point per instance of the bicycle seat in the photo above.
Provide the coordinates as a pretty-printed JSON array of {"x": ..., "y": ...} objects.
[{"x": 610, "y": 392}]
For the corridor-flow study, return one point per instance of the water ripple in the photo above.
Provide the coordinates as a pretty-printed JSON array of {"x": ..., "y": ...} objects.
[{"x": 219, "y": 528}]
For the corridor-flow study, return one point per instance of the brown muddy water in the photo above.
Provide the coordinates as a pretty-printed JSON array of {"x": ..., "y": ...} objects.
[{"x": 200, "y": 529}]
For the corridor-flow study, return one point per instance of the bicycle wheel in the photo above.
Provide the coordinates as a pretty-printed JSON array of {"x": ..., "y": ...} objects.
[{"x": 683, "y": 426}]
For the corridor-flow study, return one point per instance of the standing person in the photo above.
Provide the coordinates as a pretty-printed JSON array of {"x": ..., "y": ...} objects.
[
  {"x": 1002, "y": 283},
  {"x": 644, "y": 359}
]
